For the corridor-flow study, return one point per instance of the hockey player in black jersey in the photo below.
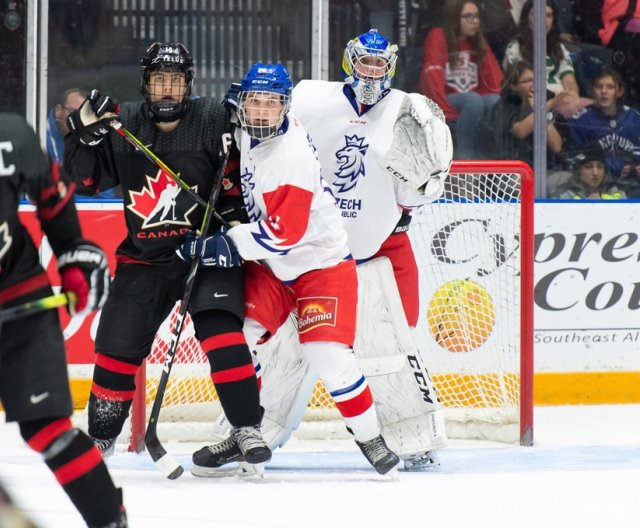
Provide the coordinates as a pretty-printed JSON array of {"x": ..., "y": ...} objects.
[
  {"x": 187, "y": 134},
  {"x": 34, "y": 386}
]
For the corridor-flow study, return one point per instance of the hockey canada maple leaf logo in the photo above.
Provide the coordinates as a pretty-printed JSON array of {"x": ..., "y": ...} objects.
[
  {"x": 162, "y": 202},
  {"x": 351, "y": 160},
  {"x": 5, "y": 239}
]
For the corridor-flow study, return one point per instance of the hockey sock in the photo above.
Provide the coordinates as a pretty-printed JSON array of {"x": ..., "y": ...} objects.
[
  {"x": 232, "y": 370},
  {"x": 78, "y": 467},
  {"x": 336, "y": 365},
  {"x": 111, "y": 396}
]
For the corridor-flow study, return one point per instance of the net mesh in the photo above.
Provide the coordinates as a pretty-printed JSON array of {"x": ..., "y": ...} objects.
[{"x": 467, "y": 246}]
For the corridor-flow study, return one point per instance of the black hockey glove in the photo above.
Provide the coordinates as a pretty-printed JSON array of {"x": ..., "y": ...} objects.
[
  {"x": 85, "y": 273},
  {"x": 90, "y": 123},
  {"x": 216, "y": 250},
  {"x": 234, "y": 213},
  {"x": 230, "y": 101}
]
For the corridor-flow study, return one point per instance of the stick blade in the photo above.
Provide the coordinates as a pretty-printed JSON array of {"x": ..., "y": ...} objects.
[{"x": 163, "y": 460}]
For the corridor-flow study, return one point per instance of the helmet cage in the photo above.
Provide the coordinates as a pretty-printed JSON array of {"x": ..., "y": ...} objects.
[
  {"x": 269, "y": 120},
  {"x": 260, "y": 87},
  {"x": 369, "y": 88},
  {"x": 166, "y": 58}
]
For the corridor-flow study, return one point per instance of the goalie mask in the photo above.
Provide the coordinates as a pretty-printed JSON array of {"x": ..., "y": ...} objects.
[
  {"x": 368, "y": 65},
  {"x": 264, "y": 100},
  {"x": 175, "y": 62}
]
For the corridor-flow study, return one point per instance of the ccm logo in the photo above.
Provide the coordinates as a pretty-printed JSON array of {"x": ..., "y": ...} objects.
[{"x": 396, "y": 174}]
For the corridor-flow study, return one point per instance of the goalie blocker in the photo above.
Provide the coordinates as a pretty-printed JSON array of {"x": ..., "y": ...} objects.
[{"x": 410, "y": 416}]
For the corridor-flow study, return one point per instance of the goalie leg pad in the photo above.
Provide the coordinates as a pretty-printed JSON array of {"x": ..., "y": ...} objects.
[
  {"x": 409, "y": 412},
  {"x": 287, "y": 384}
]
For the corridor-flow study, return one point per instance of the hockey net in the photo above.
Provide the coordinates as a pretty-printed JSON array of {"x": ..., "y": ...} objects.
[{"x": 474, "y": 249}]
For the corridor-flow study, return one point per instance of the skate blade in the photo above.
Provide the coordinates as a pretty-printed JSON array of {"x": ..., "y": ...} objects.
[
  {"x": 242, "y": 469},
  {"x": 252, "y": 470},
  {"x": 430, "y": 463},
  {"x": 392, "y": 475}
]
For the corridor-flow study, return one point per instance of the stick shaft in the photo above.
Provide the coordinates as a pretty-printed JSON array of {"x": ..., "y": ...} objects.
[
  {"x": 144, "y": 150},
  {"x": 31, "y": 307},
  {"x": 163, "y": 460}
]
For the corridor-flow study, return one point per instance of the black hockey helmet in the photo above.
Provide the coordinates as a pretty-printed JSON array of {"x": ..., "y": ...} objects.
[{"x": 166, "y": 57}]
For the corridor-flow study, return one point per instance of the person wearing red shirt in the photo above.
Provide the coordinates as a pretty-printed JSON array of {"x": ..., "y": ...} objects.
[{"x": 461, "y": 74}]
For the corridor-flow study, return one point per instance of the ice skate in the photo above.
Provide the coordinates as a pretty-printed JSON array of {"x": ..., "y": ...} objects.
[
  {"x": 106, "y": 447},
  {"x": 379, "y": 455},
  {"x": 216, "y": 456},
  {"x": 427, "y": 461},
  {"x": 245, "y": 446},
  {"x": 254, "y": 448}
]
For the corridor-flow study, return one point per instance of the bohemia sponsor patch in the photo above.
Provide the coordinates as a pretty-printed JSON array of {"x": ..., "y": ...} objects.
[{"x": 316, "y": 311}]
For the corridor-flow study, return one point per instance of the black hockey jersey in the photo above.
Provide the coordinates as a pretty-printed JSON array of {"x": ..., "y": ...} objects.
[
  {"x": 24, "y": 168},
  {"x": 157, "y": 211}
]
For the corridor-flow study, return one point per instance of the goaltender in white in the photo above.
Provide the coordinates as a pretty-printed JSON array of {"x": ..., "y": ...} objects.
[{"x": 384, "y": 153}]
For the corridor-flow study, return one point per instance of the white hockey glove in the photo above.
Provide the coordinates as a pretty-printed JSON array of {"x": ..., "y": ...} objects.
[
  {"x": 422, "y": 150},
  {"x": 91, "y": 122},
  {"x": 85, "y": 273}
]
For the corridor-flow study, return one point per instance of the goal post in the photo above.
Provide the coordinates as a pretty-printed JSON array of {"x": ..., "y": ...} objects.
[
  {"x": 478, "y": 240},
  {"x": 474, "y": 249}
]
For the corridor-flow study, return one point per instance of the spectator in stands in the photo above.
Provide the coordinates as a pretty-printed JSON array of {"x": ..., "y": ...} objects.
[
  {"x": 561, "y": 78},
  {"x": 590, "y": 178},
  {"x": 588, "y": 57},
  {"x": 461, "y": 74},
  {"x": 615, "y": 126},
  {"x": 621, "y": 33},
  {"x": 512, "y": 117},
  {"x": 57, "y": 128},
  {"x": 587, "y": 20},
  {"x": 70, "y": 100},
  {"x": 630, "y": 179},
  {"x": 498, "y": 25}
]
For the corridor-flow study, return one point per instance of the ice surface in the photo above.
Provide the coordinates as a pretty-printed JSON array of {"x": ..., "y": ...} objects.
[{"x": 584, "y": 471}]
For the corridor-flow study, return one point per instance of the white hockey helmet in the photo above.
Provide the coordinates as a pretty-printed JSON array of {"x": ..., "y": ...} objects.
[{"x": 368, "y": 65}]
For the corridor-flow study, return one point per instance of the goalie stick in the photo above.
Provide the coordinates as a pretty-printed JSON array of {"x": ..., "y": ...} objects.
[
  {"x": 165, "y": 462},
  {"x": 39, "y": 305}
]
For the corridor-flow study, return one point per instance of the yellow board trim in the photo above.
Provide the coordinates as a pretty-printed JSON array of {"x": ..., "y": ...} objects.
[
  {"x": 571, "y": 388},
  {"x": 550, "y": 388}
]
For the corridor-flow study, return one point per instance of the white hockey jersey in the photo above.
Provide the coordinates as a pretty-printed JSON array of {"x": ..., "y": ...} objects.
[
  {"x": 350, "y": 146},
  {"x": 294, "y": 223}
]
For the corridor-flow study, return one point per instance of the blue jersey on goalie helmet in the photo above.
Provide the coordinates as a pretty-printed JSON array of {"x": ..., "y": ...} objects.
[{"x": 368, "y": 65}]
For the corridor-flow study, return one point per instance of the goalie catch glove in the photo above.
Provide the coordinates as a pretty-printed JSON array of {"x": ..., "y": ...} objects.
[
  {"x": 91, "y": 122},
  {"x": 85, "y": 274},
  {"x": 216, "y": 250},
  {"x": 422, "y": 149}
]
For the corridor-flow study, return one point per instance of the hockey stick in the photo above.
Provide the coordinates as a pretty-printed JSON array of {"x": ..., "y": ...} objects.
[
  {"x": 167, "y": 465},
  {"x": 144, "y": 150},
  {"x": 39, "y": 305},
  {"x": 147, "y": 153}
]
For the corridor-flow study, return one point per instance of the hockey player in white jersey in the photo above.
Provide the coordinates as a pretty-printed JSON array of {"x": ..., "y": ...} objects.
[
  {"x": 385, "y": 153},
  {"x": 295, "y": 228}
]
